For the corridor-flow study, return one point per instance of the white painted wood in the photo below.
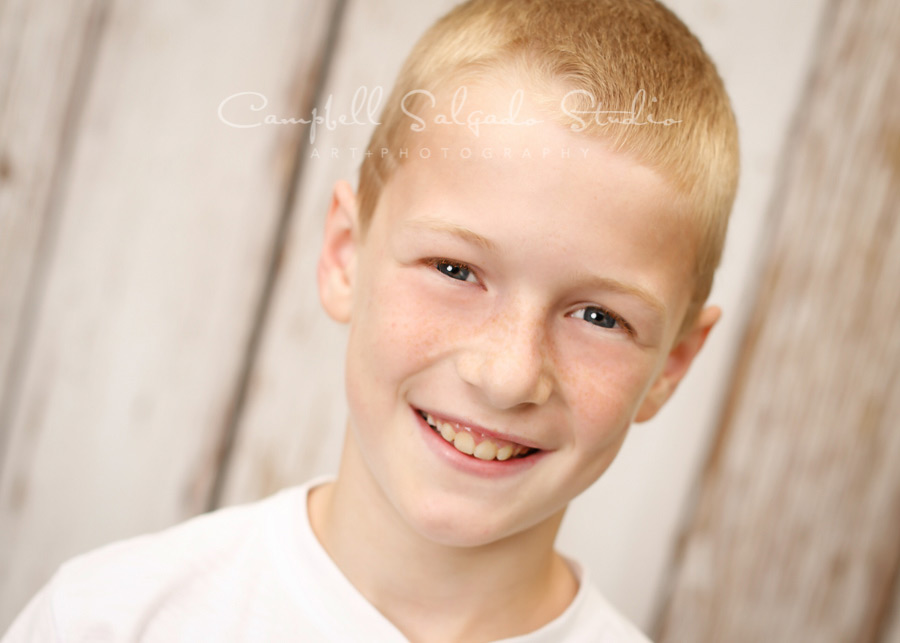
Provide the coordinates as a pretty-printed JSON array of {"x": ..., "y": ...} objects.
[
  {"x": 42, "y": 46},
  {"x": 163, "y": 242},
  {"x": 892, "y": 631},
  {"x": 795, "y": 536}
]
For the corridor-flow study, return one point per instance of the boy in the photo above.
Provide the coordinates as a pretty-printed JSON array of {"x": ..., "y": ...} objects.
[{"x": 523, "y": 272}]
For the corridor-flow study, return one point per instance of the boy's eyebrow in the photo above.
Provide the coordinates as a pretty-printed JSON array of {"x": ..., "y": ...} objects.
[
  {"x": 440, "y": 225},
  {"x": 604, "y": 283}
]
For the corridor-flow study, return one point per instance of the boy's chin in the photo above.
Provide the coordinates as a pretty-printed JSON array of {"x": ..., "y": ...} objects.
[
  {"x": 467, "y": 527},
  {"x": 453, "y": 534},
  {"x": 459, "y": 537}
]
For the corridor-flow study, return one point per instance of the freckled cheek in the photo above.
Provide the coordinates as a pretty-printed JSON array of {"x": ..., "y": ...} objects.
[
  {"x": 604, "y": 389},
  {"x": 405, "y": 330}
]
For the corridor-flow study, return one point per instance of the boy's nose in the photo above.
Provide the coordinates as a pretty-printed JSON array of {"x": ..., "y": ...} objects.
[{"x": 507, "y": 361}]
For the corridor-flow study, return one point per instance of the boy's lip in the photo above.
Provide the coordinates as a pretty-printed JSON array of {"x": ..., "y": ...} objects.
[{"x": 476, "y": 428}]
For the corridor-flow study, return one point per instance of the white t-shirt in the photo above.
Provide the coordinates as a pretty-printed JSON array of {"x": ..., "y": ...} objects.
[{"x": 253, "y": 573}]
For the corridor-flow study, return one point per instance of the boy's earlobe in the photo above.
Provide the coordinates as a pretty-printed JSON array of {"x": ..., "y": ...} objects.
[
  {"x": 337, "y": 260},
  {"x": 679, "y": 359}
]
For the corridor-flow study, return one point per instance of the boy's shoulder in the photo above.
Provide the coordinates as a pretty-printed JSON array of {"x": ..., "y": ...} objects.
[
  {"x": 182, "y": 550},
  {"x": 129, "y": 589}
]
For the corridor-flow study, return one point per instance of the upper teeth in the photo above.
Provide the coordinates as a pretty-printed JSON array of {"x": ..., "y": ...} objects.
[{"x": 465, "y": 441}]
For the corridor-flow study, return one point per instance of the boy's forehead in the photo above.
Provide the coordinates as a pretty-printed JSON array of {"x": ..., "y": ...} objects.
[
  {"x": 508, "y": 125},
  {"x": 487, "y": 118},
  {"x": 548, "y": 197},
  {"x": 478, "y": 133},
  {"x": 545, "y": 188}
]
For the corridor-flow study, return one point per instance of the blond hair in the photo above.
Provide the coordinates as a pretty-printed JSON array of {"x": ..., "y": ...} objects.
[{"x": 609, "y": 52}]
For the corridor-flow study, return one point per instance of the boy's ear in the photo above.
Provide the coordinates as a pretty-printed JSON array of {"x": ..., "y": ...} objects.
[
  {"x": 677, "y": 363},
  {"x": 337, "y": 262}
]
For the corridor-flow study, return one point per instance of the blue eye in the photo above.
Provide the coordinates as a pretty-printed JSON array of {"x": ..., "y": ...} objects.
[
  {"x": 453, "y": 269},
  {"x": 602, "y": 318},
  {"x": 599, "y": 318}
]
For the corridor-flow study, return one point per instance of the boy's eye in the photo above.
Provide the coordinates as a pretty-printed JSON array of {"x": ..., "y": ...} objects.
[
  {"x": 453, "y": 269},
  {"x": 602, "y": 318}
]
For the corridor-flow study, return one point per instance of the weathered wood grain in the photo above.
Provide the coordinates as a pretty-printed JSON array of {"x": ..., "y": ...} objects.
[
  {"x": 892, "y": 626},
  {"x": 293, "y": 425},
  {"x": 164, "y": 239},
  {"x": 795, "y": 535},
  {"x": 46, "y": 49}
]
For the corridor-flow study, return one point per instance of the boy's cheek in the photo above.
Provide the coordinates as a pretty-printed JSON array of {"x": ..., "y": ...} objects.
[
  {"x": 601, "y": 418},
  {"x": 604, "y": 377},
  {"x": 402, "y": 328},
  {"x": 413, "y": 306},
  {"x": 603, "y": 398}
]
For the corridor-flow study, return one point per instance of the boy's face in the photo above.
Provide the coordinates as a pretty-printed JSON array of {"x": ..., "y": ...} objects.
[{"x": 536, "y": 298}]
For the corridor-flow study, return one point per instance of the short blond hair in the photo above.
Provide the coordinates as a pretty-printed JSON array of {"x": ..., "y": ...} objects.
[{"x": 607, "y": 51}]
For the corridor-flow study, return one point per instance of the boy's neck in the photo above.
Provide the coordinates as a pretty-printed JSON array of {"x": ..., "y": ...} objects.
[{"x": 430, "y": 591}]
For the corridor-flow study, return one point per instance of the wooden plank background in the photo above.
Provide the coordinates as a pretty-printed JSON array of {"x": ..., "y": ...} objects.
[
  {"x": 796, "y": 536},
  {"x": 162, "y": 350},
  {"x": 162, "y": 243},
  {"x": 37, "y": 125}
]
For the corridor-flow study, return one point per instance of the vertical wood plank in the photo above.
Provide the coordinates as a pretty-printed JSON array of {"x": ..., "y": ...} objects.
[
  {"x": 165, "y": 237},
  {"x": 296, "y": 409},
  {"x": 795, "y": 536},
  {"x": 46, "y": 53},
  {"x": 892, "y": 629}
]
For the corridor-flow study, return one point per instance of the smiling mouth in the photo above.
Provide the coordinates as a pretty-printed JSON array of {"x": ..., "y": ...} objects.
[{"x": 474, "y": 444}]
